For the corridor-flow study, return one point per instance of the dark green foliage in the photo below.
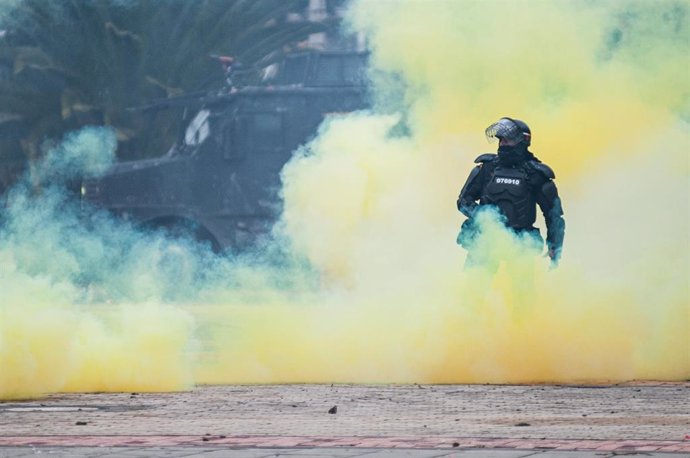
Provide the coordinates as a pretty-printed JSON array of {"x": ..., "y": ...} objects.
[{"x": 70, "y": 63}]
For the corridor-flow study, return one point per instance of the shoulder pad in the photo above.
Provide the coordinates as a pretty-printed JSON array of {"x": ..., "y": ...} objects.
[
  {"x": 488, "y": 157},
  {"x": 543, "y": 168}
]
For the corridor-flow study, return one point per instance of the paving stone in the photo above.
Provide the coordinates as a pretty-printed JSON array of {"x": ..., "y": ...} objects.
[
  {"x": 568, "y": 454},
  {"x": 16, "y": 452},
  {"x": 393, "y": 453},
  {"x": 334, "y": 452},
  {"x": 160, "y": 452},
  {"x": 287, "y": 453},
  {"x": 66, "y": 452},
  {"x": 493, "y": 453},
  {"x": 239, "y": 453}
]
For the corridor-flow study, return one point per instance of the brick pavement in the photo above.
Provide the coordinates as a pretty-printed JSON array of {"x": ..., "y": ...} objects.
[{"x": 620, "y": 418}]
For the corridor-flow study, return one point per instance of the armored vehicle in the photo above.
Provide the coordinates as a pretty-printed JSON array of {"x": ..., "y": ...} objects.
[{"x": 220, "y": 182}]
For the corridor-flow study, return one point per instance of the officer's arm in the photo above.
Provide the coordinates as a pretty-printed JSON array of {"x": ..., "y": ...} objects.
[
  {"x": 551, "y": 207},
  {"x": 470, "y": 193}
]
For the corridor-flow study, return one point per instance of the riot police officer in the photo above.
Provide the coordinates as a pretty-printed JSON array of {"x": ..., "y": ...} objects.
[{"x": 513, "y": 182}]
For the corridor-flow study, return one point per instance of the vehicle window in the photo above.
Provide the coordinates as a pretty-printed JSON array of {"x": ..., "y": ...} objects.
[
  {"x": 6, "y": 70},
  {"x": 268, "y": 131},
  {"x": 328, "y": 70},
  {"x": 260, "y": 132},
  {"x": 294, "y": 70},
  {"x": 353, "y": 69},
  {"x": 231, "y": 149}
]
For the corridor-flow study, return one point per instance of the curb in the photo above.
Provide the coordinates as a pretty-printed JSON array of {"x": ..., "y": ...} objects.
[{"x": 251, "y": 441}]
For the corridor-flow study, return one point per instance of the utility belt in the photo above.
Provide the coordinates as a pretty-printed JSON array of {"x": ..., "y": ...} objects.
[{"x": 530, "y": 236}]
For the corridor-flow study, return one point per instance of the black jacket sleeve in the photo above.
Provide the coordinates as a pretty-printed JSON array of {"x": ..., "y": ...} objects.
[
  {"x": 471, "y": 192},
  {"x": 550, "y": 204}
]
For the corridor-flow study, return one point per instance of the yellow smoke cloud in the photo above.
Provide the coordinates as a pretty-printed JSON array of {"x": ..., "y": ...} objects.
[
  {"x": 605, "y": 87},
  {"x": 375, "y": 290},
  {"x": 50, "y": 343},
  {"x": 60, "y": 329}
]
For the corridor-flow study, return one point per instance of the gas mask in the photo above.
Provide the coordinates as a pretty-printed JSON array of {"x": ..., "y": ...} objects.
[{"x": 512, "y": 154}]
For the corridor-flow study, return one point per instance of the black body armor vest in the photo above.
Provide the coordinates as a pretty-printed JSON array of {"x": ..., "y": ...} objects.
[{"x": 509, "y": 190}]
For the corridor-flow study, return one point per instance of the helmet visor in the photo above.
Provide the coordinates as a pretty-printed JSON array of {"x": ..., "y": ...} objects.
[{"x": 504, "y": 129}]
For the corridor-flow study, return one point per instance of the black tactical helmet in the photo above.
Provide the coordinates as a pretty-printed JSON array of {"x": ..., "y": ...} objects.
[{"x": 509, "y": 129}]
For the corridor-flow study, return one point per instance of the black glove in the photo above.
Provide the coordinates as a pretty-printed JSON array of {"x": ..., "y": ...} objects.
[{"x": 555, "y": 255}]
